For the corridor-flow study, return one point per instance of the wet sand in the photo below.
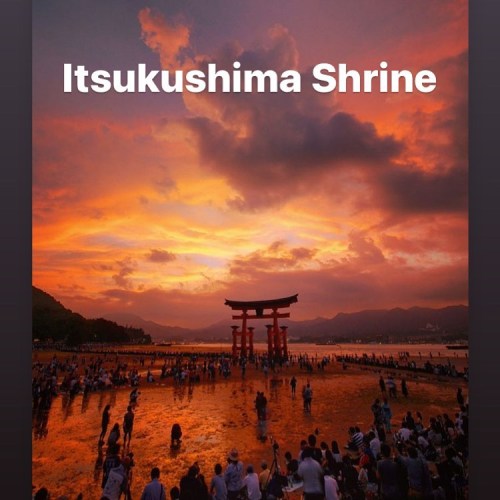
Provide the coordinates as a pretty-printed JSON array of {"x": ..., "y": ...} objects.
[{"x": 215, "y": 417}]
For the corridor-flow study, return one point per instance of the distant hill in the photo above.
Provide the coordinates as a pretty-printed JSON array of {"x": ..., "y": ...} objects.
[
  {"x": 51, "y": 320},
  {"x": 394, "y": 323},
  {"x": 158, "y": 332},
  {"x": 416, "y": 321}
]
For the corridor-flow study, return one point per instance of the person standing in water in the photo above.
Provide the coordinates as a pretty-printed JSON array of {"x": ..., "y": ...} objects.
[
  {"x": 404, "y": 387},
  {"x": 293, "y": 385},
  {"x": 104, "y": 423},
  {"x": 128, "y": 424},
  {"x": 307, "y": 396}
]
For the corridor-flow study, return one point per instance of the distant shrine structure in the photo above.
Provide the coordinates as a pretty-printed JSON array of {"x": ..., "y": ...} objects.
[{"x": 277, "y": 346}]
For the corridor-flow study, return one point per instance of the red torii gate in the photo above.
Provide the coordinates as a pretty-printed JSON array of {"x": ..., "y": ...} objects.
[{"x": 276, "y": 335}]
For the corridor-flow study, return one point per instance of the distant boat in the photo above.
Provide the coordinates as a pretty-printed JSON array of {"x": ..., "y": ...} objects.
[
  {"x": 458, "y": 347},
  {"x": 164, "y": 344}
]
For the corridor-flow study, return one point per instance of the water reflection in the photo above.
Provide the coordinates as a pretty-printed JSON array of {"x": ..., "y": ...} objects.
[
  {"x": 98, "y": 464},
  {"x": 208, "y": 388},
  {"x": 85, "y": 402},
  {"x": 100, "y": 404},
  {"x": 175, "y": 451},
  {"x": 179, "y": 392},
  {"x": 67, "y": 404},
  {"x": 39, "y": 424},
  {"x": 275, "y": 384}
]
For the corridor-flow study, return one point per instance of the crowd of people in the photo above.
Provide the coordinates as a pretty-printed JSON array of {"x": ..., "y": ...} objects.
[
  {"x": 412, "y": 459},
  {"x": 89, "y": 371},
  {"x": 415, "y": 459},
  {"x": 447, "y": 369}
]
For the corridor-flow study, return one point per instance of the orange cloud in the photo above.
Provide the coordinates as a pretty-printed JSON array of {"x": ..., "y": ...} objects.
[{"x": 168, "y": 39}]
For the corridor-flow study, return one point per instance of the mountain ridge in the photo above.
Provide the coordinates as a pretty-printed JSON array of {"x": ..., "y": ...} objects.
[
  {"x": 51, "y": 321},
  {"x": 395, "y": 323},
  {"x": 413, "y": 321}
]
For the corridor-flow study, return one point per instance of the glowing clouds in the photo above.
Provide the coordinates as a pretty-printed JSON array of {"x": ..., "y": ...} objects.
[
  {"x": 196, "y": 197},
  {"x": 165, "y": 38}
]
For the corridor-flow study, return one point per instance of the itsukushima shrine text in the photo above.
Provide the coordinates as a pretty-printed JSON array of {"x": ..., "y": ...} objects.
[{"x": 276, "y": 336}]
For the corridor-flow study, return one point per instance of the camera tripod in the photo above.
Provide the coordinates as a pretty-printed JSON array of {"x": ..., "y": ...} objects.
[{"x": 274, "y": 474}]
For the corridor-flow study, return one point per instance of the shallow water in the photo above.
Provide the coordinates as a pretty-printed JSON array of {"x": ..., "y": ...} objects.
[{"x": 215, "y": 417}]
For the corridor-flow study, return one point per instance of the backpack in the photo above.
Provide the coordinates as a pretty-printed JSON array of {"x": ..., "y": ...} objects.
[{"x": 116, "y": 482}]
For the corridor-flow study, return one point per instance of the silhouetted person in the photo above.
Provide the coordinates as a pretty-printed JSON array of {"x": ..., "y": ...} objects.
[
  {"x": 175, "y": 436},
  {"x": 104, "y": 423}
]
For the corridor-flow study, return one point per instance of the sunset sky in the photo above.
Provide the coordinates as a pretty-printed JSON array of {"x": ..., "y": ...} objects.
[{"x": 164, "y": 205}]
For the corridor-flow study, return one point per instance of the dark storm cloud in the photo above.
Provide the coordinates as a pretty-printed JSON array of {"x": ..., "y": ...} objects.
[
  {"x": 455, "y": 118},
  {"x": 437, "y": 183},
  {"x": 278, "y": 162},
  {"x": 271, "y": 147},
  {"x": 408, "y": 190},
  {"x": 298, "y": 144}
]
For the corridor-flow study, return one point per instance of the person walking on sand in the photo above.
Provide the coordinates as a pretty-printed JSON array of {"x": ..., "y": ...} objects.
[
  {"x": 404, "y": 387},
  {"x": 381, "y": 383},
  {"x": 128, "y": 424},
  {"x": 293, "y": 385},
  {"x": 391, "y": 385},
  {"x": 104, "y": 423},
  {"x": 386, "y": 408},
  {"x": 134, "y": 394},
  {"x": 378, "y": 413},
  {"x": 114, "y": 435},
  {"x": 307, "y": 396}
]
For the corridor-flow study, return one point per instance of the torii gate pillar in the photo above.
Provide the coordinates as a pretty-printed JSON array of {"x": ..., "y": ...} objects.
[
  {"x": 284, "y": 342},
  {"x": 242, "y": 349}
]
